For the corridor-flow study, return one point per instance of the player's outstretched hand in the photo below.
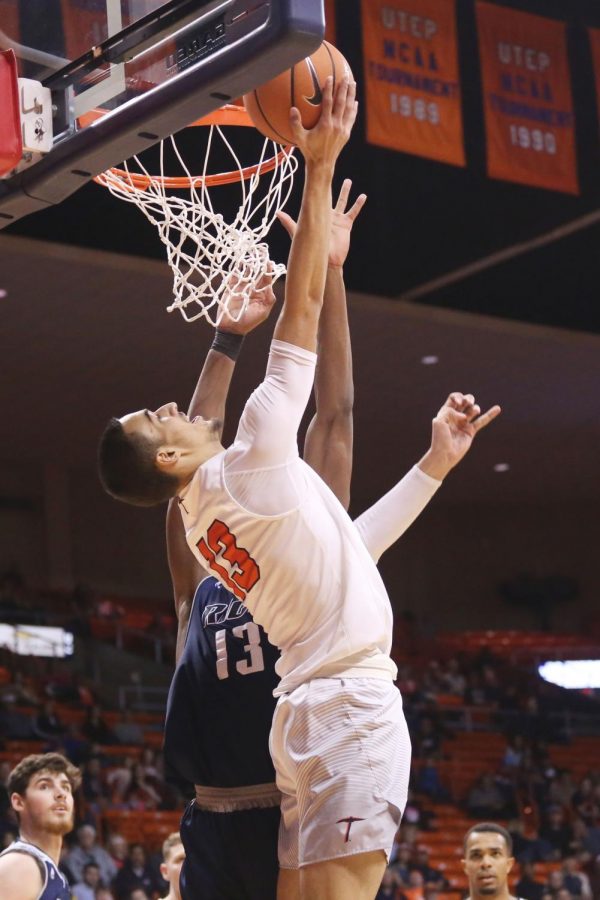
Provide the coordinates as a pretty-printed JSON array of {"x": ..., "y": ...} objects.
[
  {"x": 323, "y": 144},
  {"x": 452, "y": 433},
  {"x": 342, "y": 220},
  {"x": 262, "y": 300}
]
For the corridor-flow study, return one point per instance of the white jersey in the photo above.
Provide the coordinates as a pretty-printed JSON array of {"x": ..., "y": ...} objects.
[{"x": 268, "y": 527}]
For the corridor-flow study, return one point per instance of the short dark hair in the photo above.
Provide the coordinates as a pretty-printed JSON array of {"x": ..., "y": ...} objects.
[
  {"x": 484, "y": 828},
  {"x": 23, "y": 772},
  {"x": 128, "y": 470}
]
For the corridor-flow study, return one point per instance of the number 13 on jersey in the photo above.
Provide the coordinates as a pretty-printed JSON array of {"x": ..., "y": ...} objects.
[{"x": 255, "y": 662}]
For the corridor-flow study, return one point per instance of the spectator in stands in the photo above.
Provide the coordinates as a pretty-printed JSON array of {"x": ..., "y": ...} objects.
[
  {"x": 427, "y": 742},
  {"x": 432, "y": 878},
  {"x": 47, "y": 725},
  {"x": 527, "y": 850},
  {"x": 136, "y": 873},
  {"x": 127, "y": 730},
  {"x": 557, "y": 832},
  {"x": 19, "y": 692},
  {"x": 104, "y": 893},
  {"x": 86, "y": 888},
  {"x": 87, "y": 850},
  {"x": 138, "y": 894},
  {"x": 93, "y": 788},
  {"x": 390, "y": 887},
  {"x": 170, "y": 869},
  {"x": 575, "y": 880},
  {"x": 488, "y": 861},
  {"x": 75, "y": 746},
  {"x": 416, "y": 886},
  {"x": 562, "y": 789},
  {"x": 585, "y": 802},
  {"x": 555, "y": 883},
  {"x": 486, "y": 800},
  {"x": 454, "y": 680},
  {"x": 428, "y": 782},
  {"x": 95, "y": 728},
  {"x": 118, "y": 780},
  {"x": 528, "y": 887},
  {"x": 141, "y": 793},
  {"x": 514, "y": 753},
  {"x": 401, "y": 864},
  {"x": 118, "y": 848}
]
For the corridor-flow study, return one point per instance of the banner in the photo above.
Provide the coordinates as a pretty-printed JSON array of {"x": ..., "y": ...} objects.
[
  {"x": 529, "y": 117},
  {"x": 412, "y": 90},
  {"x": 330, "y": 22},
  {"x": 594, "y": 34}
]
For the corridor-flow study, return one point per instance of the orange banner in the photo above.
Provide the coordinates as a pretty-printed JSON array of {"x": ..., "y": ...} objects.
[
  {"x": 594, "y": 34},
  {"x": 529, "y": 117},
  {"x": 412, "y": 86},
  {"x": 330, "y": 21}
]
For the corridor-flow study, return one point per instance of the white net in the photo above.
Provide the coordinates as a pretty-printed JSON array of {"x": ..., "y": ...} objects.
[{"x": 216, "y": 264}]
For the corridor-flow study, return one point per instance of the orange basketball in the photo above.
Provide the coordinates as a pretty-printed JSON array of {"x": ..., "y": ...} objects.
[{"x": 301, "y": 86}]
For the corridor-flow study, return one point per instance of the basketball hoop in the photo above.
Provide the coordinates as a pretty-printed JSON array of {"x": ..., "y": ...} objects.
[{"x": 216, "y": 265}]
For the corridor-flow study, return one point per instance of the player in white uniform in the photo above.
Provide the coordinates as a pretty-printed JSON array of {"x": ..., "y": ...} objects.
[{"x": 262, "y": 521}]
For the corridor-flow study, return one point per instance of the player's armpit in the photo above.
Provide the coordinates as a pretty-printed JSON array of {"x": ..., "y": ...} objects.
[{"x": 20, "y": 877}]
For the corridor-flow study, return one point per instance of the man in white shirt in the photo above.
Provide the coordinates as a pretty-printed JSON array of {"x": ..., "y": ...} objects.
[{"x": 262, "y": 521}]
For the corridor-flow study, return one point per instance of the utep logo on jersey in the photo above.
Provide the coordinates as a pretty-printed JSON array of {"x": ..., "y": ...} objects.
[
  {"x": 227, "y": 610},
  {"x": 232, "y": 565}
]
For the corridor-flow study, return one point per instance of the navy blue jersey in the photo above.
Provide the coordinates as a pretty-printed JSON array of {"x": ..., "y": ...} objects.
[
  {"x": 54, "y": 883},
  {"x": 221, "y": 702}
]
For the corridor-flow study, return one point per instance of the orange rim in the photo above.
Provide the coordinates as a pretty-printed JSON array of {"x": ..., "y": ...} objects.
[{"x": 230, "y": 114}]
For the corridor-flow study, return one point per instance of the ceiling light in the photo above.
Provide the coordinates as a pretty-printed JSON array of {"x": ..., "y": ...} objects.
[
  {"x": 501, "y": 467},
  {"x": 430, "y": 360},
  {"x": 3, "y": 293}
]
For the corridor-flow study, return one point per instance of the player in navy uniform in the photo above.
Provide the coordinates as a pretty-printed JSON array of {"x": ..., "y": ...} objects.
[
  {"x": 41, "y": 789},
  {"x": 221, "y": 700}
]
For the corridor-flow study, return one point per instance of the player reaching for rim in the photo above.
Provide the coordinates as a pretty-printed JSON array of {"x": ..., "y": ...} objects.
[
  {"x": 225, "y": 677},
  {"x": 265, "y": 524}
]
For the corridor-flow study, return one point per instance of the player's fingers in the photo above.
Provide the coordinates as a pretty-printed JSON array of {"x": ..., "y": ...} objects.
[
  {"x": 296, "y": 125},
  {"x": 343, "y": 195},
  {"x": 454, "y": 400},
  {"x": 327, "y": 100},
  {"x": 339, "y": 101},
  {"x": 472, "y": 411},
  {"x": 486, "y": 418},
  {"x": 288, "y": 223},
  {"x": 356, "y": 207}
]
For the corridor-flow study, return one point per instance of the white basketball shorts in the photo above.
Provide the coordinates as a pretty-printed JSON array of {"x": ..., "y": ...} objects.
[{"x": 341, "y": 752}]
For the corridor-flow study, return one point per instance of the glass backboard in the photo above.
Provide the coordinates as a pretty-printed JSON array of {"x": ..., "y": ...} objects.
[{"x": 125, "y": 73}]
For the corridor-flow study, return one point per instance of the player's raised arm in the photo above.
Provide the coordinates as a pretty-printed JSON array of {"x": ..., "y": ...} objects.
[
  {"x": 453, "y": 430},
  {"x": 328, "y": 444},
  {"x": 307, "y": 266},
  {"x": 208, "y": 401}
]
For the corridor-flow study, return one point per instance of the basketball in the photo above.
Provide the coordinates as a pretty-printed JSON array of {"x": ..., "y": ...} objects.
[{"x": 269, "y": 105}]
